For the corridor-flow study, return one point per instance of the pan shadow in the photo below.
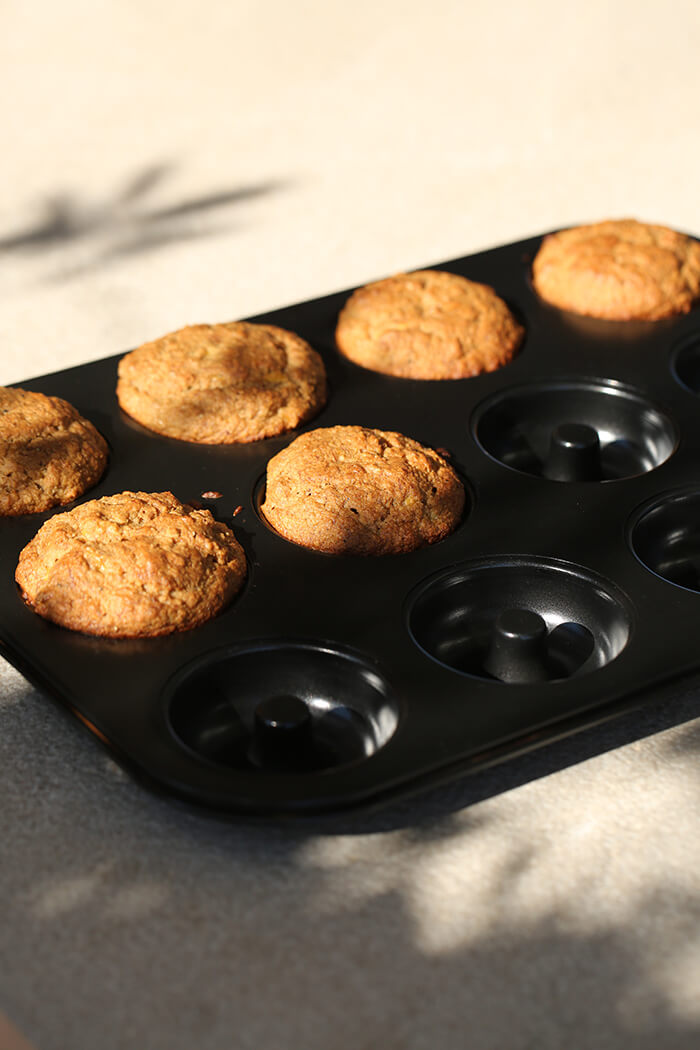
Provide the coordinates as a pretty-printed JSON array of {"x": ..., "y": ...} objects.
[{"x": 156, "y": 914}]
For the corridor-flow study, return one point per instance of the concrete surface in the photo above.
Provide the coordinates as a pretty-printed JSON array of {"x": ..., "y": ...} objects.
[{"x": 168, "y": 163}]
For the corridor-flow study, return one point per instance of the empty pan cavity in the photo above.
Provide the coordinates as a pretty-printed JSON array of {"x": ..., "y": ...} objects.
[
  {"x": 665, "y": 536},
  {"x": 288, "y": 707},
  {"x": 571, "y": 430},
  {"x": 685, "y": 363},
  {"x": 519, "y": 620}
]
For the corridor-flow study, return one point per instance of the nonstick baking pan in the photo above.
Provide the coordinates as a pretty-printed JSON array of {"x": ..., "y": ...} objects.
[{"x": 569, "y": 592}]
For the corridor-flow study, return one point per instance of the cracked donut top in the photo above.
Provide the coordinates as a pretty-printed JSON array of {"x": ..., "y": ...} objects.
[
  {"x": 222, "y": 383},
  {"x": 428, "y": 325},
  {"x": 353, "y": 490},
  {"x": 132, "y": 565},
  {"x": 49, "y": 454},
  {"x": 619, "y": 270}
]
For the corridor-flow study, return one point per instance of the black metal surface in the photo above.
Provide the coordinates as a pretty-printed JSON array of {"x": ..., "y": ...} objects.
[{"x": 399, "y": 661}]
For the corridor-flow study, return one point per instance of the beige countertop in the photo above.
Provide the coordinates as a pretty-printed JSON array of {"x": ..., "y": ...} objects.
[{"x": 167, "y": 164}]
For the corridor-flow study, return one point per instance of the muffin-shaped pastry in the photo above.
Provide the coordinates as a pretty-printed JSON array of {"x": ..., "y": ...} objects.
[
  {"x": 620, "y": 270},
  {"x": 133, "y": 565},
  {"x": 352, "y": 490},
  {"x": 428, "y": 325},
  {"x": 49, "y": 454},
  {"x": 222, "y": 383}
]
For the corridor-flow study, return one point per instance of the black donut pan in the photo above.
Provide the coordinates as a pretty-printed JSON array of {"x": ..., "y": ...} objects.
[{"x": 569, "y": 592}]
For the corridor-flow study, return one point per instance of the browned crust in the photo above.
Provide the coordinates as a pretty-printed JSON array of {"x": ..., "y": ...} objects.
[
  {"x": 353, "y": 490},
  {"x": 49, "y": 454},
  {"x": 619, "y": 270},
  {"x": 131, "y": 565},
  {"x": 222, "y": 383},
  {"x": 428, "y": 325}
]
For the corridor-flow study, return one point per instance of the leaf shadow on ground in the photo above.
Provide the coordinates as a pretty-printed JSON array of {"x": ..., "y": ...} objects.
[
  {"x": 128, "y": 221},
  {"x": 129, "y": 914},
  {"x": 429, "y": 811}
]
